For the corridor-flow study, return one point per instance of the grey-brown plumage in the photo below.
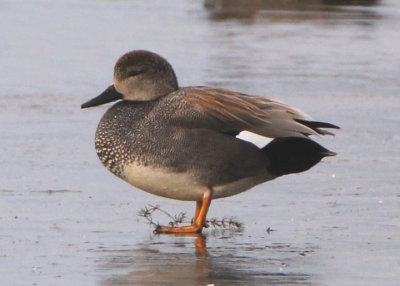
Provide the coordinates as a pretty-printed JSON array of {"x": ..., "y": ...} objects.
[
  {"x": 152, "y": 134},
  {"x": 181, "y": 142}
]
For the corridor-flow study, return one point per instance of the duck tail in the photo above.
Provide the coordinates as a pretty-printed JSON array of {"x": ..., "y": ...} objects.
[{"x": 293, "y": 155}]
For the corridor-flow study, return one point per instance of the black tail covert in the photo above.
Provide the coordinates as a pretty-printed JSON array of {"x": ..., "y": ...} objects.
[{"x": 293, "y": 155}]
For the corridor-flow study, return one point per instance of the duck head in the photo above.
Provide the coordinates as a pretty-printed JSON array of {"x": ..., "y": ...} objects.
[{"x": 138, "y": 76}]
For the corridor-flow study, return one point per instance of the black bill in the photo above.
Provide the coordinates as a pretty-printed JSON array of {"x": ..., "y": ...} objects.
[{"x": 110, "y": 94}]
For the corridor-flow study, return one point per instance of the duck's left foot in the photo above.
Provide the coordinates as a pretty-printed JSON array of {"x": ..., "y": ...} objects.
[
  {"x": 182, "y": 229},
  {"x": 199, "y": 218}
]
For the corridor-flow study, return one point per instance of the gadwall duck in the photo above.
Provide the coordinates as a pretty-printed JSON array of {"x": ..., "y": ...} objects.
[{"x": 181, "y": 143}]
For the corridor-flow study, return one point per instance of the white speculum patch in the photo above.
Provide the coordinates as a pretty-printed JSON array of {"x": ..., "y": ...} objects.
[{"x": 258, "y": 140}]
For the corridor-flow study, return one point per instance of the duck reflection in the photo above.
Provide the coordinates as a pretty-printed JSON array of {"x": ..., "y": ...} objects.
[
  {"x": 185, "y": 260},
  {"x": 289, "y": 9}
]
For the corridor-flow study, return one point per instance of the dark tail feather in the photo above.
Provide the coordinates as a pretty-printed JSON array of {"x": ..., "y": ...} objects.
[
  {"x": 317, "y": 125},
  {"x": 293, "y": 155}
]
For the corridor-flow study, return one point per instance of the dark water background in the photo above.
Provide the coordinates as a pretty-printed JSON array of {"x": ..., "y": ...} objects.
[{"x": 64, "y": 220}]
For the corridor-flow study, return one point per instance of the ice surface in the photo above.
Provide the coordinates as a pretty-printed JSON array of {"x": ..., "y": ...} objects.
[{"x": 65, "y": 220}]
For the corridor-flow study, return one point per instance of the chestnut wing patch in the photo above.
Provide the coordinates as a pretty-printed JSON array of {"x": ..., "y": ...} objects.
[{"x": 232, "y": 112}]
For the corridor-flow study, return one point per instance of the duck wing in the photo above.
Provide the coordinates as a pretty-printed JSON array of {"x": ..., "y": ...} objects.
[{"x": 232, "y": 112}]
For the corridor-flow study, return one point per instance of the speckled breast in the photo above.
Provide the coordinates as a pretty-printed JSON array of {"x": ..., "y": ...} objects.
[{"x": 118, "y": 135}]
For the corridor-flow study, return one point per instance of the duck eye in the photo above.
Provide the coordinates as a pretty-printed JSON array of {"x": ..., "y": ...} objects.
[{"x": 135, "y": 72}]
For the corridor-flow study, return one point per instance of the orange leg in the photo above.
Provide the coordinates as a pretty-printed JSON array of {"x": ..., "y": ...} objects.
[
  {"x": 199, "y": 218},
  {"x": 198, "y": 208}
]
